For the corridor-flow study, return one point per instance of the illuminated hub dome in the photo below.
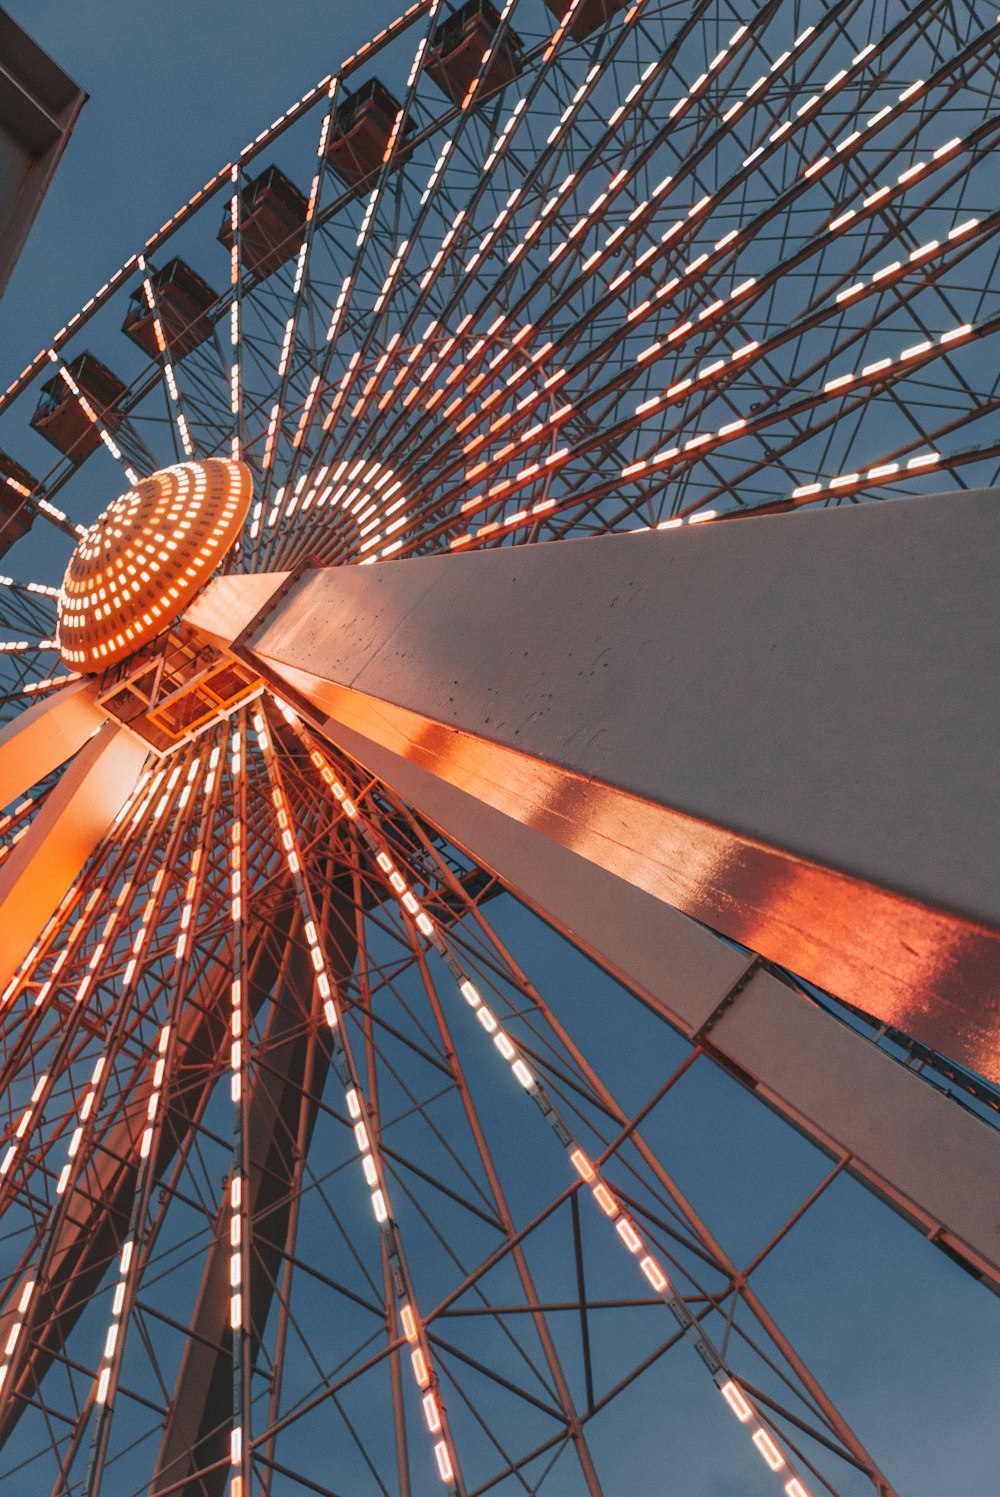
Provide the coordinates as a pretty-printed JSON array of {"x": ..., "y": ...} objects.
[{"x": 145, "y": 557}]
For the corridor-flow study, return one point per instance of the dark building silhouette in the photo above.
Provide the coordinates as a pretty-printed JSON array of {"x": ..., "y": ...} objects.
[{"x": 39, "y": 106}]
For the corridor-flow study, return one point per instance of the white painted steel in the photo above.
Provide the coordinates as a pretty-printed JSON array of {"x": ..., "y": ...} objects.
[{"x": 785, "y": 728}]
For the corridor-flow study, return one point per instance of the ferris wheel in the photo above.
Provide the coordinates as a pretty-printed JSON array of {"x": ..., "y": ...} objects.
[{"x": 338, "y": 1155}]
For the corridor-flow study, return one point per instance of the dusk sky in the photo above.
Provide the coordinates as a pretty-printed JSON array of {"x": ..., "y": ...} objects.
[{"x": 909, "y": 1343}]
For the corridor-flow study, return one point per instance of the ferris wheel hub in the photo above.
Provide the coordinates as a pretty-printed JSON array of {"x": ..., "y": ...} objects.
[{"x": 144, "y": 558}]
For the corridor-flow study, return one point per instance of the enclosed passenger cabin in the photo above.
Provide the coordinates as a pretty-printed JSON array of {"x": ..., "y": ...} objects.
[
  {"x": 60, "y": 417},
  {"x": 16, "y": 485},
  {"x": 182, "y": 300},
  {"x": 361, "y": 130},
  {"x": 458, "y": 44},
  {"x": 272, "y": 222},
  {"x": 590, "y": 14}
]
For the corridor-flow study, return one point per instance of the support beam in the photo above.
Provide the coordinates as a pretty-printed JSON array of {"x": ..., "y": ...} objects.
[
  {"x": 781, "y": 728},
  {"x": 541, "y": 705},
  {"x": 45, "y": 736},
  {"x": 76, "y": 814}
]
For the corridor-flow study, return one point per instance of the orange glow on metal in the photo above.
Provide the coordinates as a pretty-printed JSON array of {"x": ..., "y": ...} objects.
[
  {"x": 444, "y": 1461},
  {"x": 733, "y": 1395},
  {"x": 772, "y": 1455},
  {"x": 582, "y": 1164},
  {"x": 409, "y": 1323},
  {"x": 654, "y": 1274},
  {"x": 142, "y": 561},
  {"x": 629, "y": 1235}
]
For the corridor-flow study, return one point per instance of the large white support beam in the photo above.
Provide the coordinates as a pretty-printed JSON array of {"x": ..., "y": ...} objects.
[
  {"x": 784, "y": 728},
  {"x": 77, "y": 813}
]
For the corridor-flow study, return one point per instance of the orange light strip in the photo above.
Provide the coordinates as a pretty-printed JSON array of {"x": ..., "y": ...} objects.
[
  {"x": 291, "y": 325},
  {"x": 862, "y": 58},
  {"x": 679, "y": 390},
  {"x": 92, "y": 417},
  {"x": 679, "y": 455},
  {"x": 239, "y": 1181},
  {"x": 165, "y": 359},
  {"x": 400, "y": 257},
  {"x": 90, "y": 1099},
  {"x": 128, "y": 1266},
  {"x": 235, "y": 314},
  {"x": 589, "y": 1173},
  {"x": 369, "y": 214},
  {"x": 363, "y": 1118},
  {"x": 531, "y": 437},
  {"x": 615, "y": 185}
]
